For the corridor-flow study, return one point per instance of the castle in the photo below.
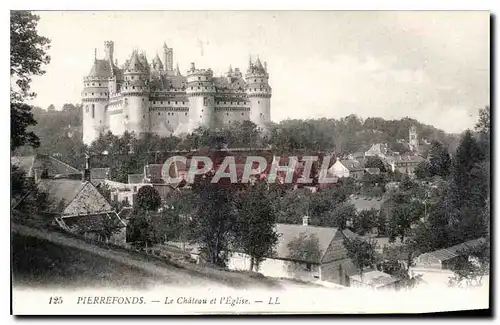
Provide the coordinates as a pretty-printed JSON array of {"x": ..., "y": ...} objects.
[{"x": 156, "y": 98}]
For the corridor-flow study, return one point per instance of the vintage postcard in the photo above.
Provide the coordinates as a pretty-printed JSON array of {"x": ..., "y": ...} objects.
[{"x": 250, "y": 162}]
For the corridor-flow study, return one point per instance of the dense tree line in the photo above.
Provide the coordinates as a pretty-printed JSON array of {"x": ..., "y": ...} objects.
[{"x": 60, "y": 135}]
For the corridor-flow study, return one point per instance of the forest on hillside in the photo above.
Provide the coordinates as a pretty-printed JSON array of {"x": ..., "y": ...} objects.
[{"x": 60, "y": 133}]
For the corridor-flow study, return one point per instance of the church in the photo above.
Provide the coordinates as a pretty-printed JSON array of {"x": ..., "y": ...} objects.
[{"x": 143, "y": 97}]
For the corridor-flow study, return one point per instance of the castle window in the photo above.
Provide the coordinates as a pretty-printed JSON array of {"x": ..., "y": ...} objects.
[
  {"x": 186, "y": 114},
  {"x": 199, "y": 78},
  {"x": 255, "y": 80},
  {"x": 227, "y": 114},
  {"x": 258, "y": 102},
  {"x": 93, "y": 110},
  {"x": 133, "y": 87},
  {"x": 93, "y": 84},
  {"x": 158, "y": 113},
  {"x": 99, "y": 85},
  {"x": 161, "y": 102},
  {"x": 242, "y": 114},
  {"x": 198, "y": 88},
  {"x": 175, "y": 103},
  {"x": 86, "y": 108}
]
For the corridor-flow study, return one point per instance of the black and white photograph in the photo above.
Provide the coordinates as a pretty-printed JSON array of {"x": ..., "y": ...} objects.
[{"x": 200, "y": 162}]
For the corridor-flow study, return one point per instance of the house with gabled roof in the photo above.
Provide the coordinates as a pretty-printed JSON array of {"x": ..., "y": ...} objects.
[
  {"x": 347, "y": 168},
  {"x": 78, "y": 207},
  {"x": 436, "y": 267},
  {"x": 37, "y": 164},
  {"x": 304, "y": 252}
]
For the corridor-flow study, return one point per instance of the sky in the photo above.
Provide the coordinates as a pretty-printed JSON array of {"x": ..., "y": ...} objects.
[{"x": 433, "y": 66}]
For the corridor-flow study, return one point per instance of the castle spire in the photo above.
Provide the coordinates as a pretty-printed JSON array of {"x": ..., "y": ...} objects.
[
  {"x": 177, "y": 70},
  {"x": 95, "y": 54}
]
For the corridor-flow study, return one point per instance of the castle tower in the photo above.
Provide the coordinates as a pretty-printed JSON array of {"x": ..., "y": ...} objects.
[
  {"x": 413, "y": 138},
  {"x": 136, "y": 95},
  {"x": 95, "y": 97},
  {"x": 200, "y": 91},
  {"x": 109, "y": 48},
  {"x": 259, "y": 94},
  {"x": 168, "y": 57}
]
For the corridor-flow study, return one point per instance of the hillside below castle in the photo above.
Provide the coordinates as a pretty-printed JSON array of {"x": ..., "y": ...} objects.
[{"x": 156, "y": 98}]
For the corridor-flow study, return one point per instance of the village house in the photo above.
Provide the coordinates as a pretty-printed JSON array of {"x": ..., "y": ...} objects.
[
  {"x": 378, "y": 150},
  {"x": 37, "y": 164},
  {"x": 77, "y": 206},
  {"x": 404, "y": 164},
  {"x": 347, "y": 168},
  {"x": 326, "y": 262},
  {"x": 435, "y": 267}
]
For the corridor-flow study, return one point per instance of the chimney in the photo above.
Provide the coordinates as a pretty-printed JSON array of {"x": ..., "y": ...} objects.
[
  {"x": 305, "y": 220},
  {"x": 37, "y": 175},
  {"x": 86, "y": 172}
]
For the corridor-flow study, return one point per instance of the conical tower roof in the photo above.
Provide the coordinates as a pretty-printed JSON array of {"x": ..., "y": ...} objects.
[{"x": 134, "y": 63}]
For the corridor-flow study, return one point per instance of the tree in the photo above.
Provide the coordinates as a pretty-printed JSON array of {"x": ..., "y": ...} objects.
[
  {"x": 469, "y": 190},
  {"x": 375, "y": 162},
  {"x": 343, "y": 213},
  {"x": 139, "y": 229},
  {"x": 255, "y": 230},
  {"x": 422, "y": 171},
  {"x": 471, "y": 266},
  {"x": 304, "y": 248},
  {"x": 361, "y": 252},
  {"x": 365, "y": 221},
  {"x": 27, "y": 57},
  {"x": 148, "y": 199},
  {"x": 110, "y": 226},
  {"x": 439, "y": 160},
  {"x": 215, "y": 220}
]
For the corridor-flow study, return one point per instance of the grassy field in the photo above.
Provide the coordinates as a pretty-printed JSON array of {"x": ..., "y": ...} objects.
[{"x": 40, "y": 263}]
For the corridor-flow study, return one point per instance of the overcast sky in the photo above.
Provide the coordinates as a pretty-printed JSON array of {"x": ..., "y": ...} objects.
[{"x": 432, "y": 66}]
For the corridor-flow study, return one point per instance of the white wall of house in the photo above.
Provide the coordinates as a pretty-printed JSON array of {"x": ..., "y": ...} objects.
[
  {"x": 276, "y": 268},
  {"x": 339, "y": 170}
]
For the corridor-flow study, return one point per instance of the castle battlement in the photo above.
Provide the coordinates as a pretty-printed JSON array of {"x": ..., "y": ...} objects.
[{"x": 156, "y": 98}]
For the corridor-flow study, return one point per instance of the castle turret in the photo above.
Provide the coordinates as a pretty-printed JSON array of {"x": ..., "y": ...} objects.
[
  {"x": 136, "y": 95},
  {"x": 200, "y": 90},
  {"x": 95, "y": 97},
  {"x": 259, "y": 94}
]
